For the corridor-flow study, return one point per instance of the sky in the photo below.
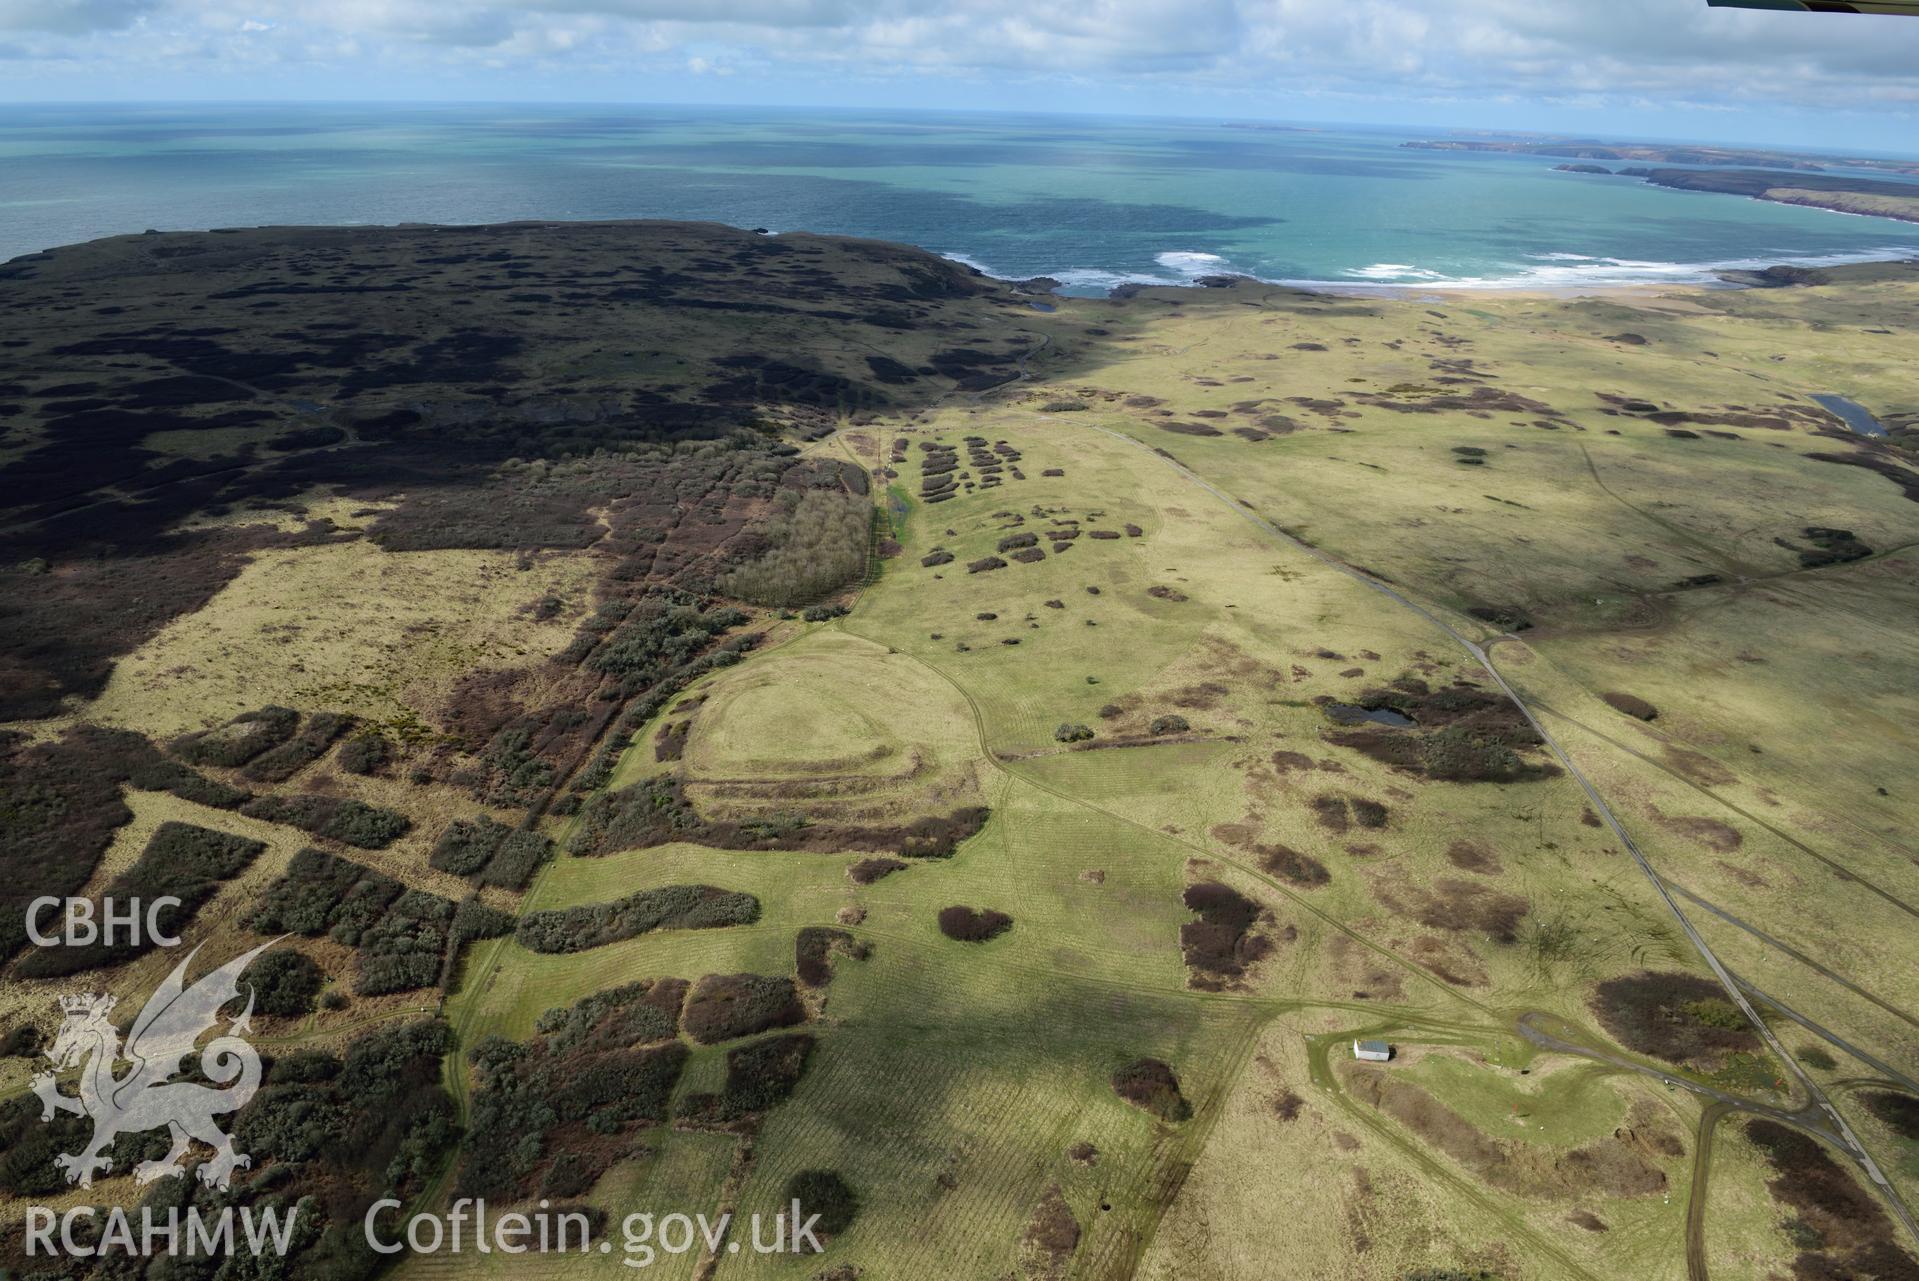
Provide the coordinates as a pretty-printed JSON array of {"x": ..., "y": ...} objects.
[{"x": 1619, "y": 68}]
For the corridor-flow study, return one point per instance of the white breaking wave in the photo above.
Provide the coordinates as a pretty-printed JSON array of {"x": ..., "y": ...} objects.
[
  {"x": 1185, "y": 265},
  {"x": 1190, "y": 263},
  {"x": 1579, "y": 271},
  {"x": 1543, "y": 271},
  {"x": 974, "y": 263},
  {"x": 1094, "y": 278},
  {"x": 1393, "y": 271}
]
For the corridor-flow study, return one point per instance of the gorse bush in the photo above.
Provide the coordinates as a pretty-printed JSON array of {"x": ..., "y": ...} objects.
[
  {"x": 813, "y": 948},
  {"x": 600, "y": 1067},
  {"x": 323, "y": 894},
  {"x": 657, "y": 635},
  {"x": 824, "y": 1193},
  {"x": 186, "y": 862},
  {"x": 284, "y": 982},
  {"x": 466, "y": 847},
  {"x": 1152, "y": 1086},
  {"x": 973, "y": 925},
  {"x": 240, "y": 739},
  {"x": 758, "y": 1076},
  {"x": 1678, "y": 1017},
  {"x": 403, "y": 949},
  {"x": 351, "y": 822},
  {"x": 942, "y": 837},
  {"x": 473, "y": 919},
  {"x": 373, "y": 1124},
  {"x": 278, "y": 764},
  {"x": 634, "y": 1014},
  {"x": 819, "y": 544},
  {"x": 868, "y": 870},
  {"x": 517, "y": 858},
  {"x": 60, "y": 804},
  {"x": 365, "y": 753},
  {"x": 1220, "y": 944},
  {"x": 405, "y": 936},
  {"x": 726, "y": 1006},
  {"x": 490, "y": 852},
  {"x": 670, "y": 907}
]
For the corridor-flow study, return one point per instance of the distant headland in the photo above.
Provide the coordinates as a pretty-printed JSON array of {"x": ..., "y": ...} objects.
[{"x": 1776, "y": 176}]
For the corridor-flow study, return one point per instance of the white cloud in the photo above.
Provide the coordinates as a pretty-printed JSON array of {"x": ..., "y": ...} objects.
[
  {"x": 1674, "y": 53},
  {"x": 71, "y": 17}
]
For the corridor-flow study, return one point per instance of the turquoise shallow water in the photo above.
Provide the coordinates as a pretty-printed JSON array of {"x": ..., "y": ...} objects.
[{"x": 1092, "y": 202}]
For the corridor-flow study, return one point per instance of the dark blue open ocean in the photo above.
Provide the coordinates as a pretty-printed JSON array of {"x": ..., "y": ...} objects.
[{"x": 1093, "y": 202}]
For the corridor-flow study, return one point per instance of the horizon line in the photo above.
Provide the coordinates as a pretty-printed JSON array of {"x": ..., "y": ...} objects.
[{"x": 1220, "y": 118}]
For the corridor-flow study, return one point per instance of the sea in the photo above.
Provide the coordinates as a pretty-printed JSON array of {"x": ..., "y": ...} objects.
[{"x": 1093, "y": 202}]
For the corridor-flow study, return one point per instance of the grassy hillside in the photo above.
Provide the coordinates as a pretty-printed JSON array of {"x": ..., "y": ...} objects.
[{"x": 1033, "y": 875}]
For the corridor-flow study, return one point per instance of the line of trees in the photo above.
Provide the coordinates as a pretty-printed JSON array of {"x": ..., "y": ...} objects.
[{"x": 819, "y": 544}]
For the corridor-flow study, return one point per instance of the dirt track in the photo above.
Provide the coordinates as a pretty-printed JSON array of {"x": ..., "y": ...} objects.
[{"x": 1835, "y": 1128}]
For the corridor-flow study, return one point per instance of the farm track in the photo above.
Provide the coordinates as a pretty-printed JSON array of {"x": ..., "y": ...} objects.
[
  {"x": 1739, "y": 570},
  {"x": 1817, "y": 1115},
  {"x": 1757, "y": 820},
  {"x": 1812, "y": 1116},
  {"x": 1787, "y": 949},
  {"x": 1497, "y": 1023},
  {"x": 1398, "y": 1017},
  {"x": 1837, "y": 1129},
  {"x": 1696, "y": 1194},
  {"x": 1742, "y": 576}
]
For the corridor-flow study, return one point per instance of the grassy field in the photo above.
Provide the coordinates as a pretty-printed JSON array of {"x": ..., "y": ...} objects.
[
  {"x": 1089, "y": 849},
  {"x": 1143, "y": 626},
  {"x": 347, "y": 627}
]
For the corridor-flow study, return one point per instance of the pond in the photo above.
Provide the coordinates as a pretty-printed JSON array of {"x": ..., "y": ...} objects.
[
  {"x": 1354, "y": 714},
  {"x": 1856, "y": 415}
]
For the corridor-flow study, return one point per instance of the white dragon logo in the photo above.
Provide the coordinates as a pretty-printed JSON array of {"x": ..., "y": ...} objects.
[{"x": 146, "y": 1098}]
